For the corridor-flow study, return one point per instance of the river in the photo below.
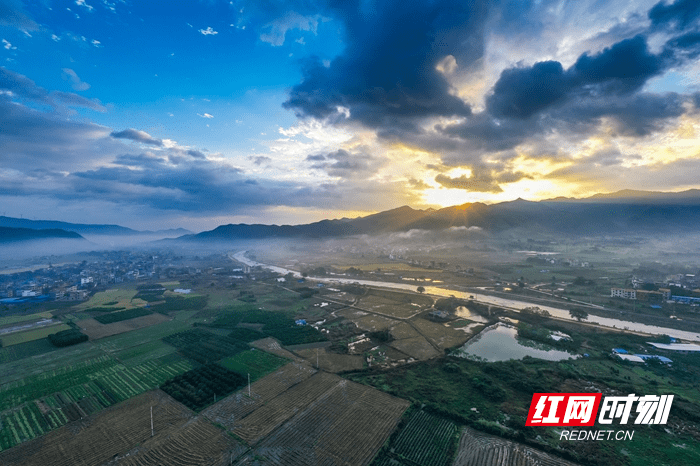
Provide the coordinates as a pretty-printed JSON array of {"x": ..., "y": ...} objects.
[{"x": 486, "y": 299}]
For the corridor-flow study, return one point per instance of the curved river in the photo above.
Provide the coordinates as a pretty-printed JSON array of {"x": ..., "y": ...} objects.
[{"x": 482, "y": 298}]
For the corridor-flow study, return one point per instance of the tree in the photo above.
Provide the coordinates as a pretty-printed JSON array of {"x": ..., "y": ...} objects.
[
  {"x": 578, "y": 314},
  {"x": 421, "y": 289}
]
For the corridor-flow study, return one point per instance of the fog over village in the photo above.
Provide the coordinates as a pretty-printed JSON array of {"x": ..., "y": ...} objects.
[{"x": 349, "y": 233}]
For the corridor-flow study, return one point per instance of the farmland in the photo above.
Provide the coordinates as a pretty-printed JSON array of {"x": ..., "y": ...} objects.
[
  {"x": 346, "y": 425},
  {"x": 31, "y": 335},
  {"x": 479, "y": 449},
  {"x": 96, "y": 330},
  {"x": 72, "y": 392},
  {"x": 255, "y": 363},
  {"x": 126, "y": 429},
  {"x": 426, "y": 440}
]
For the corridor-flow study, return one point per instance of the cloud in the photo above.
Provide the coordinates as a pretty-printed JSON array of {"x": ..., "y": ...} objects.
[
  {"x": 277, "y": 29},
  {"x": 344, "y": 164},
  {"x": 205, "y": 115},
  {"x": 261, "y": 160},
  {"x": 24, "y": 88},
  {"x": 386, "y": 77},
  {"x": 622, "y": 68},
  {"x": 12, "y": 14},
  {"x": 675, "y": 15},
  {"x": 208, "y": 31},
  {"x": 76, "y": 83},
  {"x": 138, "y": 136},
  {"x": 481, "y": 184},
  {"x": 83, "y": 4}
]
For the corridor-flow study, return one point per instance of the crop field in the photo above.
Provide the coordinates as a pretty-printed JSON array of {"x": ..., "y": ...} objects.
[
  {"x": 37, "y": 404},
  {"x": 96, "y": 330},
  {"x": 254, "y": 362},
  {"x": 202, "y": 386},
  {"x": 119, "y": 316},
  {"x": 266, "y": 418},
  {"x": 230, "y": 410},
  {"x": 479, "y": 449},
  {"x": 272, "y": 346},
  {"x": 141, "y": 336},
  {"x": 346, "y": 425},
  {"x": 110, "y": 433},
  {"x": 331, "y": 362},
  {"x": 373, "y": 323},
  {"x": 403, "y": 330},
  {"x": 142, "y": 353},
  {"x": 417, "y": 348},
  {"x": 426, "y": 440},
  {"x": 9, "y": 320},
  {"x": 205, "y": 347},
  {"x": 440, "y": 335},
  {"x": 402, "y": 306},
  {"x": 122, "y": 297},
  {"x": 197, "y": 443},
  {"x": 31, "y": 335},
  {"x": 54, "y": 359},
  {"x": 24, "y": 350}
]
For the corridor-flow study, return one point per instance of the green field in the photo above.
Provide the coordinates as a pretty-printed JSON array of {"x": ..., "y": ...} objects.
[
  {"x": 122, "y": 296},
  {"x": 254, "y": 362},
  {"x": 9, "y": 320},
  {"x": 31, "y": 335},
  {"x": 74, "y": 391}
]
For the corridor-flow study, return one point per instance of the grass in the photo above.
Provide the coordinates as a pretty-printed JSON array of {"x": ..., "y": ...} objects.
[
  {"x": 253, "y": 362},
  {"x": 31, "y": 335}
]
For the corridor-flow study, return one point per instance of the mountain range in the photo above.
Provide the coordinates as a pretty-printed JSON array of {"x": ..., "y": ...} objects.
[{"x": 623, "y": 212}]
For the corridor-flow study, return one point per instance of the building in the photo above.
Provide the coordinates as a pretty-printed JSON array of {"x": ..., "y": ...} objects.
[{"x": 623, "y": 293}]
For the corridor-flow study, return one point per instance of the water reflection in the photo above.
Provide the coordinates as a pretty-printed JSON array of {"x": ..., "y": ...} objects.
[{"x": 500, "y": 343}]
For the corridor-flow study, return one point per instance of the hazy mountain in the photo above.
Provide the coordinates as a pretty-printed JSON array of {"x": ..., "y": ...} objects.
[
  {"x": 8, "y": 234},
  {"x": 89, "y": 229}
]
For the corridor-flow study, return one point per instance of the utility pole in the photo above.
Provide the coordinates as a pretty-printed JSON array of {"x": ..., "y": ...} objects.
[
  {"x": 151, "y": 421},
  {"x": 249, "y": 384},
  {"x": 316, "y": 358}
]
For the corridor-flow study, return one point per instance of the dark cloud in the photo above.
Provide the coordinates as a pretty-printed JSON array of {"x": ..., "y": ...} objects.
[
  {"x": 622, "y": 68},
  {"x": 315, "y": 158},
  {"x": 521, "y": 92},
  {"x": 676, "y": 15},
  {"x": 139, "y": 136},
  {"x": 545, "y": 98},
  {"x": 387, "y": 74}
]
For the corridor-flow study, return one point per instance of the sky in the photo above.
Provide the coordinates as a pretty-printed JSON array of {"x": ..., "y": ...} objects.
[{"x": 165, "y": 114}]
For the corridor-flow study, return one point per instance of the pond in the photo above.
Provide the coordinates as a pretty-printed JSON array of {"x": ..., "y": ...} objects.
[{"x": 500, "y": 343}]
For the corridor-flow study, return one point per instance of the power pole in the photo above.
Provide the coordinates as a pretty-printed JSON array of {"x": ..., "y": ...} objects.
[
  {"x": 151, "y": 421},
  {"x": 249, "y": 384},
  {"x": 316, "y": 358}
]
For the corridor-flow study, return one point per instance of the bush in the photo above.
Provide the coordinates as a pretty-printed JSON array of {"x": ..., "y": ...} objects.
[{"x": 67, "y": 338}]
